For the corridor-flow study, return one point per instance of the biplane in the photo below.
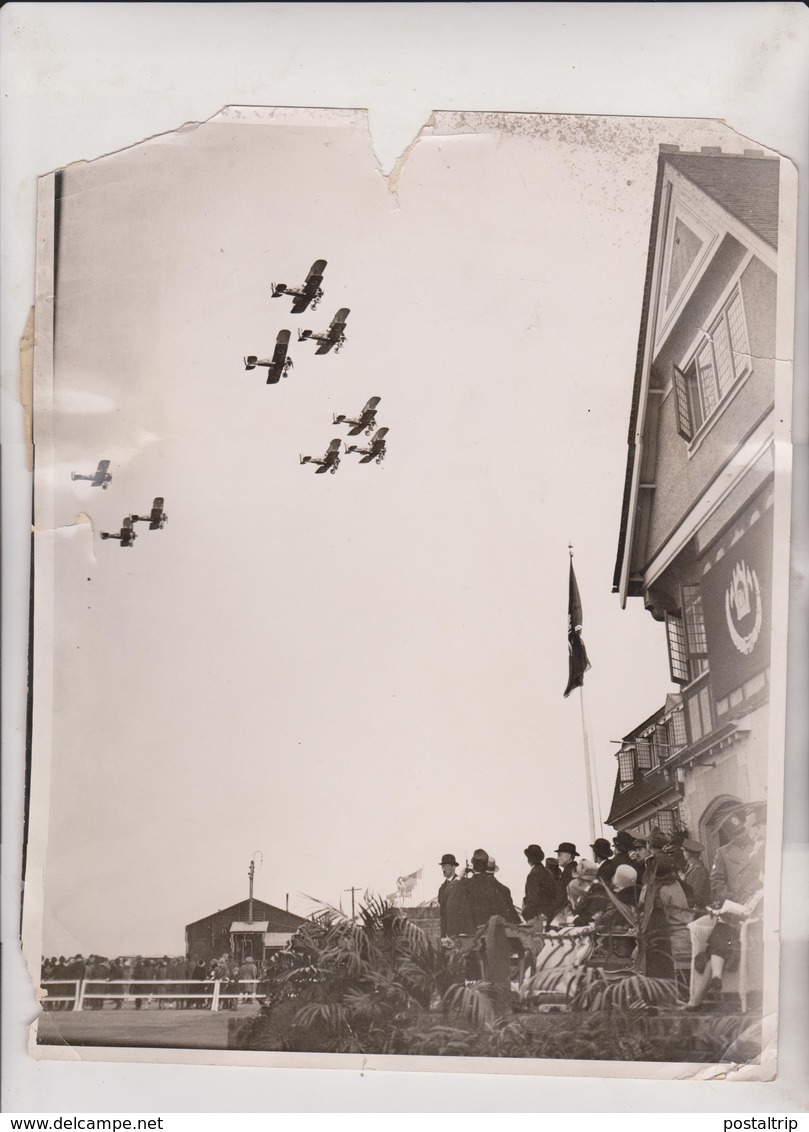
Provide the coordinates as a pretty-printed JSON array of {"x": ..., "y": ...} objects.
[
  {"x": 100, "y": 478},
  {"x": 334, "y": 336},
  {"x": 376, "y": 449},
  {"x": 310, "y": 292},
  {"x": 156, "y": 519},
  {"x": 330, "y": 461},
  {"x": 364, "y": 422},
  {"x": 126, "y": 535},
  {"x": 278, "y": 365}
]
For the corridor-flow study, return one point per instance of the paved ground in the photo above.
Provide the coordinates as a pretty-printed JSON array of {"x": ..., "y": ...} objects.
[{"x": 173, "y": 1029}]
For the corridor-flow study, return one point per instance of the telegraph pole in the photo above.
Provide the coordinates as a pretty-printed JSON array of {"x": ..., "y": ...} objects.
[
  {"x": 352, "y": 890},
  {"x": 251, "y": 872}
]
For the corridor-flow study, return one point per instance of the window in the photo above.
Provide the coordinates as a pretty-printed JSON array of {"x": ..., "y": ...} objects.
[
  {"x": 678, "y": 649},
  {"x": 685, "y": 636},
  {"x": 722, "y": 359},
  {"x": 694, "y": 618},
  {"x": 644, "y": 753},
  {"x": 626, "y": 766},
  {"x": 677, "y": 733}
]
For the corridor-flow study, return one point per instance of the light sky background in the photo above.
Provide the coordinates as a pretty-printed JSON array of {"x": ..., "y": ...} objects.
[{"x": 353, "y": 673}]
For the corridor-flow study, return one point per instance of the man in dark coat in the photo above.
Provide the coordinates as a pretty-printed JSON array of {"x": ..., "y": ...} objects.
[
  {"x": 485, "y": 896},
  {"x": 448, "y": 867},
  {"x": 512, "y": 914},
  {"x": 566, "y": 855},
  {"x": 602, "y": 854},
  {"x": 540, "y": 887},
  {"x": 453, "y": 901},
  {"x": 623, "y": 843}
]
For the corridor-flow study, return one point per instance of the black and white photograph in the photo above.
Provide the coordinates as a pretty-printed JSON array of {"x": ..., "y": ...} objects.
[{"x": 410, "y": 581}]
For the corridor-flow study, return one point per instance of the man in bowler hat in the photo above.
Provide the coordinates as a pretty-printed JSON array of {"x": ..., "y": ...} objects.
[
  {"x": 566, "y": 855},
  {"x": 450, "y": 878},
  {"x": 540, "y": 887}
]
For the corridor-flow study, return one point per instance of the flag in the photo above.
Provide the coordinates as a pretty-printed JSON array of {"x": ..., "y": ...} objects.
[
  {"x": 577, "y": 653},
  {"x": 406, "y": 884}
]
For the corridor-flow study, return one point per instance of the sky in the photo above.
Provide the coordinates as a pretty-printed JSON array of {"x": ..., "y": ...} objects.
[{"x": 352, "y": 674}]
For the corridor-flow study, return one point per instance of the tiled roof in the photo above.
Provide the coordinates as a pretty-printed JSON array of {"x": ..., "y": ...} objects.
[
  {"x": 746, "y": 186},
  {"x": 645, "y": 789}
]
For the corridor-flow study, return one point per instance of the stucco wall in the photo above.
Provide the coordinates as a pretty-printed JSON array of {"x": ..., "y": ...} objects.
[{"x": 680, "y": 477}]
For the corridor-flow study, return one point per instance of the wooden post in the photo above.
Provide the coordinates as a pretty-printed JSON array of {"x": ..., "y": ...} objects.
[{"x": 498, "y": 965}]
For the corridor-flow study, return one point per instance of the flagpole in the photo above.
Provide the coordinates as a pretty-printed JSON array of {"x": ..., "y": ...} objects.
[
  {"x": 588, "y": 768},
  {"x": 585, "y": 741}
]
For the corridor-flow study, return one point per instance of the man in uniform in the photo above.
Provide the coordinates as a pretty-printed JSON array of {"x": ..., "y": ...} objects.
[{"x": 695, "y": 875}]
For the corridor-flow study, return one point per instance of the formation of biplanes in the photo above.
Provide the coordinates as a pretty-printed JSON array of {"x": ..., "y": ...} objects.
[{"x": 308, "y": 296}]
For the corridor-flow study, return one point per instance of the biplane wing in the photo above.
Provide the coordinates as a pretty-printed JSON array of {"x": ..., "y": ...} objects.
[
  {"x": 128, "y": 535},
  {"x": 310, "y": 288},
  {"x": 101, "y": 473},
  {"x": 335, "y": 332},
  {"x": 275, "y": 370},
  {"x": 158, "y": 516}
]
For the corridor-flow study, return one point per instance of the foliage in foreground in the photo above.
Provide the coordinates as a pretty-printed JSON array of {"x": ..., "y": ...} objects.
[{"x": 382, "y": 986}]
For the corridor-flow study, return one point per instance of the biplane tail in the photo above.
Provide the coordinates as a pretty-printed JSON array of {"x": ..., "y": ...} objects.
[
  {"x": 278, "y": 289},
  {"x": 250, "y": 361}
]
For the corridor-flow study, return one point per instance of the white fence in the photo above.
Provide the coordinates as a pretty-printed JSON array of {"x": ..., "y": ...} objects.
[{"x": 207, "y": 994}]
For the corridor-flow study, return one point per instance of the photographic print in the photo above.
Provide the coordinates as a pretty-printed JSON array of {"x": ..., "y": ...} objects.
[{"x": 410, "y": 576}]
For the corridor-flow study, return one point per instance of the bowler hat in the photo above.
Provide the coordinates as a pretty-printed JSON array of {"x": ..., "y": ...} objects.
[
  {"x": 568, "y": 847},
  {"x": 601, "y": 847},
  {"x": 449, "y": 859},
  {"x": 534, "y": 853},
  {"x": 480, "y": 855},
  {"x": 623, "y": 841}
]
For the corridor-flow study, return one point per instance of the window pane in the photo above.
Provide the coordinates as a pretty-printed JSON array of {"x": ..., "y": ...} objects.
[
  {"x": 738, "y": 335},
  {"x": 678, "y": 651},
  {"x": 706, "y": 378},
  {"x": 626, "y": 767},
  {"x": 665, "y": 821},
  {"x": 694, "y": 621},
  {"x": 677, "y": 735},
  {"x": 644, "y": 750},
  {"x": 724, "y": 368},
  {"x": 661, "y": 749}
]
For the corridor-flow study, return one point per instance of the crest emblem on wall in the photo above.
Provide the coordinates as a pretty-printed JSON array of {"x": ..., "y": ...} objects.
[{"x": 743, "y": 597}]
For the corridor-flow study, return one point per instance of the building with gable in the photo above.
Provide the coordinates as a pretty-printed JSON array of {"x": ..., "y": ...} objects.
[
  {"x": 696, "y": 533},
  {"x": 247, "y": 929}
]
